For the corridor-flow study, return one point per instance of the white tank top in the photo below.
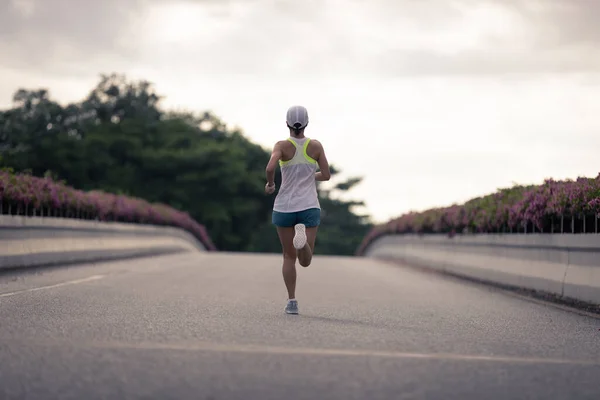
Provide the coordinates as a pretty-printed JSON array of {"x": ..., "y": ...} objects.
[{"x": 298, "y": 189}]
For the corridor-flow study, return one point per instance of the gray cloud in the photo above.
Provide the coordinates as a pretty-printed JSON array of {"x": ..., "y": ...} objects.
[
  {"x": 561, "y": 22},
  {"x": 64, "y": 33},
  {"x": 564, "y": 37},
  {"x": 490, "y": 62},
  {"x": 81, "y": 23},
  {"x": 76, "y": 37}
]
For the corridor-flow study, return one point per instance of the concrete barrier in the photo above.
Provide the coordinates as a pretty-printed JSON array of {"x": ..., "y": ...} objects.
[
  {"x": 565, "y": 265},
  {"x": 36, "y": 241}
]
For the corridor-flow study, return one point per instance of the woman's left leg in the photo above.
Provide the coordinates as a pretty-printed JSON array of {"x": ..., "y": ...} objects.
[{"x": 306, "y": 235}]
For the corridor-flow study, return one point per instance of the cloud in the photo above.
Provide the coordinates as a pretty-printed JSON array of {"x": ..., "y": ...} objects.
[
  {"x": 560, "y": 22},
  {"x": 486, "y": 38},
  {"x": 489, "y": 62},
  {"x": 304, "y": 40},
  {"x": 382, "y": 39},
  {"x": 58, "y": 34}
]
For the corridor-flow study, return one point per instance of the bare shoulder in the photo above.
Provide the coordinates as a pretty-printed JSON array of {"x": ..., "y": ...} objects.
[
  {"x": 280, "y": 144},
  {"x": 314, "y": 149},
  {"x": 315, "y": 144}
]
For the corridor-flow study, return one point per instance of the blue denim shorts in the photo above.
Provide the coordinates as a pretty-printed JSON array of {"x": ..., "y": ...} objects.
[{"x": 310, "y": 218}]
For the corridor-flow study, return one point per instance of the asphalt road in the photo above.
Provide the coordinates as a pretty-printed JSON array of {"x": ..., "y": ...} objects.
[{"x": 212, "y": 326}]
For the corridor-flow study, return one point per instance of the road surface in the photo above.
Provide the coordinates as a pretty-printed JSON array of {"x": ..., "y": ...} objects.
[{"x": 212, "y": 326}]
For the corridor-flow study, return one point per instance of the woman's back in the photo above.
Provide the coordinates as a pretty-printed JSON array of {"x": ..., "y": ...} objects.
[{"x": 298, "y": 165}]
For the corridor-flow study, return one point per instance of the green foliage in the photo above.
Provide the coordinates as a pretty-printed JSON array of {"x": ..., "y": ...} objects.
[{"x": 118, "y": 140}]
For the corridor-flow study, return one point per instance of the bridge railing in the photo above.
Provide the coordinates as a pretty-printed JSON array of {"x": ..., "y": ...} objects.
[
  {"x": 555, "y": 207},
  {"x": 29, "y": 196},
  {"x": 544, "y": 238}
]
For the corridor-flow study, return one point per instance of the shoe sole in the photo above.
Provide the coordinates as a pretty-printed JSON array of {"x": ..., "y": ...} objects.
[{"x": 300, "y": 236}]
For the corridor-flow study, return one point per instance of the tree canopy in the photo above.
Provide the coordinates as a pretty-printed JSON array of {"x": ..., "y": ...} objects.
[{"x": 118, "y": 139}]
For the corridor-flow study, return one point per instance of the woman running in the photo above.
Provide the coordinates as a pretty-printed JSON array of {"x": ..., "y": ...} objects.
[{"x": 296, "y": 211}]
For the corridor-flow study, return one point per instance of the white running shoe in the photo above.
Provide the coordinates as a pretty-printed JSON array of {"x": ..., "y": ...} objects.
[{"x": 300, "y": 236}]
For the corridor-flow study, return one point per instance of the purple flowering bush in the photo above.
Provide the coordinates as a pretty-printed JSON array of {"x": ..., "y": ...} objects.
[
  {"x": 22, "y": 194},
  {"x": 552, "y": 207}
]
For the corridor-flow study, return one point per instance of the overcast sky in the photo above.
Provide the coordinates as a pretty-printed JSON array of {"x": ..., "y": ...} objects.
[{"x": 431, "y": 101}]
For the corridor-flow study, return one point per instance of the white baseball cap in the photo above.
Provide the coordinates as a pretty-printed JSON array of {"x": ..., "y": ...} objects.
[{"x": 297, "y": 117}]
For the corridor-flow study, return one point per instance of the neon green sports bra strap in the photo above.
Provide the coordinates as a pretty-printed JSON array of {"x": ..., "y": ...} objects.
[
  {"x": 304, "y": 153},
  {"x": 308, "y": 158},
  {"x": 281, "y": 162}
]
